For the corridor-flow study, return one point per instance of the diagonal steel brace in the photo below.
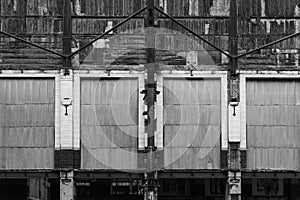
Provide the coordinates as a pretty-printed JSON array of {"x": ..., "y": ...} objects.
[
  {"x": 267, "y": 45},
  {"x": 191, "y": 31},
  {"x": 33, "y": 44},
  {"x": 108, "y": 31}
]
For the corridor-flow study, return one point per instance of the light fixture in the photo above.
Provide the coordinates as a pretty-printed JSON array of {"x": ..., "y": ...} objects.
[
  {"x": 234, "y": 103},
  {"x": 65, "y": 179},
  {"x": 66, "y": 103}
]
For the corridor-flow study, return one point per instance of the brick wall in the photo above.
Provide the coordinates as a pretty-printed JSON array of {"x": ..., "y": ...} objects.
[{"x": 67, "y": 159}]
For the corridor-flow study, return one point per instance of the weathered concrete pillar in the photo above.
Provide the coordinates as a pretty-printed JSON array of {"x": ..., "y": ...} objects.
[
  {"x": 234, "y": 140},
  {"x": 67, "y": 185},
  {"x": 66, "y": 116},
  {"x": 234, "y": 186}
]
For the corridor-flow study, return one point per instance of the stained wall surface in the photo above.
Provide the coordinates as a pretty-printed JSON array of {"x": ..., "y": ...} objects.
[
  {"x": 192, "y": 123},
  {"x": 273, "y": 123},
  {"x": 109, "y": 123},
  {"x": 27, "y": 123}
]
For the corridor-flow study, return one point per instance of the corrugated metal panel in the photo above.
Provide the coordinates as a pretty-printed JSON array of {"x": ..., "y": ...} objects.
[
  {"x": 27, "y": 123},
  {"x": 109, "y": 123},
  {"x": 192, "y": 123},
  {"x": 273, "y": 124}
]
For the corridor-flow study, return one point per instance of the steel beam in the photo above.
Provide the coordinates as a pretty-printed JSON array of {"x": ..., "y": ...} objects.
[
  {"x": 27, "y": 174},
  {"x": 67, "y": 35},
  {"x": 274, "y": 174},
  {"x": 186, "y": 174},
  {"x": 106, "y": 175},
  {"x": 233, "y": 37}
]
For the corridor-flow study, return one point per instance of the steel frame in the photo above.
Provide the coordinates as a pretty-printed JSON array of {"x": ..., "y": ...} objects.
[
  {"x": 68, "y": 56},
  {"x": 167, "y": 174}
]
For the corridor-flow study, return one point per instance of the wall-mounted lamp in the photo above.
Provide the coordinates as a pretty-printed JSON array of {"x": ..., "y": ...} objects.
[
  {"x": 66, "y": 103},
  {"x": 65, "y": 179},
  {"x": 234, "y": 103}
]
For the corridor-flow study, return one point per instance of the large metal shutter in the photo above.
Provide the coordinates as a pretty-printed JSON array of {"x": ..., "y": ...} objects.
[
  {"x": 192, "y": 123},
  {"x": 273, "y": 124},
  {"x": 109, "y": 123},
  {"x": 27, "y": 123}
]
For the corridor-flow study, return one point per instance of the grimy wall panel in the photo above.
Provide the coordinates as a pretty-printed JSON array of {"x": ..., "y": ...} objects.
[
  {"x": 27, "y": 123},
  {"x": 192, "y": 123},
  {"x": 273, "y": 124},
  {"x": 109, "y": 123}
]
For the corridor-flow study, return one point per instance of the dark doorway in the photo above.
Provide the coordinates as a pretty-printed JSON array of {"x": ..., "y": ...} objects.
[
  {"x": 270, "y": 188},
  {"x": 192, "y": 189},
  {"x": 132, "y": 189},
  {"x": 31, "y": 188},
  {"x": 109, "y": 189},
  {"x": 13, "y": 189}
]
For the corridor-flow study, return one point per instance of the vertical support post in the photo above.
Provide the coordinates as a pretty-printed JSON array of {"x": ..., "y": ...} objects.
[
  {"x": 234, "y": 177},
  {"x": 67, "y": 177},
  {"x": 233, "y": 36},
  {"x": 151, "y": 188},
  {"x": 67, "y": 34},
  {"x": 151, "y": 70},
  {"x": 66, "y": 122},
  {"x": 66, "y": 185}
]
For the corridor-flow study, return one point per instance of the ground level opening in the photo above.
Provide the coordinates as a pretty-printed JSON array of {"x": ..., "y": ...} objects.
[
  {"x": 170, "y": 189},
  {"x": 29, "y": 189},
  {"x": 270, "y": 188}
]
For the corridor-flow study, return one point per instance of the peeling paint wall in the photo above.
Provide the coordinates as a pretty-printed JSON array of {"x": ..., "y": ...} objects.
[{"x": 220, "y": 8}]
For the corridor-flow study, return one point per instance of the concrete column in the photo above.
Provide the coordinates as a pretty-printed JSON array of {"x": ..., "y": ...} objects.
[
  {"x": 67, "y": 185},
  {"x": 66, "y": 118},
  {"x": 234, "y": 186}
]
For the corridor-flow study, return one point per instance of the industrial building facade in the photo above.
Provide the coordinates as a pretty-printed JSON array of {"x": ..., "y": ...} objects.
[{"x": 144, "y": 99}]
